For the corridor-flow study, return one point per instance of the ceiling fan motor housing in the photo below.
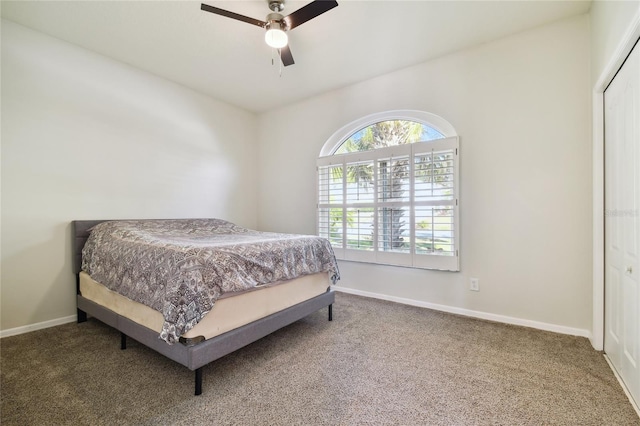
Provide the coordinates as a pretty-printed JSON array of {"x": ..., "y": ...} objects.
[{"x": 276, "y": 21}]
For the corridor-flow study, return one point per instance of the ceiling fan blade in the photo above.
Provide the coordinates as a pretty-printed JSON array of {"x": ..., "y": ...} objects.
[
  {"x": 310, "y": 11},
  {"x": 232, "y": 15},
  {"x": 286, "y": 56}
]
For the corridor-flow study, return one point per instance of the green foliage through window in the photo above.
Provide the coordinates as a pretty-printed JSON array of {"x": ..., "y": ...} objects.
[{"x": 388, "y": 133}]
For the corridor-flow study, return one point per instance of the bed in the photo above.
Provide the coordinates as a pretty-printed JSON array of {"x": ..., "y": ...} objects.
[{"x": 196, "y": 290}]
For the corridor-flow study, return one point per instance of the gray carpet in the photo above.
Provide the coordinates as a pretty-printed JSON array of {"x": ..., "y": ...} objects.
[{"x": 377, "y": 363}]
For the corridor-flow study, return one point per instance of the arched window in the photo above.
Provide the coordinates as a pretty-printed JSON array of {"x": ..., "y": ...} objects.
[{"x": 388, "y": 191}]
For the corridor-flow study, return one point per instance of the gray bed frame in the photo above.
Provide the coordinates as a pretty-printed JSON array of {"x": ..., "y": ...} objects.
[{"x": 193, "y": 355}]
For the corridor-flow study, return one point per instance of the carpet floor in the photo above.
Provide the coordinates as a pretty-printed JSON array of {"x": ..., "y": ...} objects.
[{"x": 376, "y": 363}]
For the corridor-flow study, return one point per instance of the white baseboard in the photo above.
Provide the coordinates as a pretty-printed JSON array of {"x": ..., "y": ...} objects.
[
  {"x": 444, "y": 308},
  {"x": 624, "y": 387},
  {"x": 37, "y": 326},
  {"x": 469, "y": 313}
]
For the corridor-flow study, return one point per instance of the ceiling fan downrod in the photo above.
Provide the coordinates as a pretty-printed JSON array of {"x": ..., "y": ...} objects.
[{"x": 276, "y": 5}]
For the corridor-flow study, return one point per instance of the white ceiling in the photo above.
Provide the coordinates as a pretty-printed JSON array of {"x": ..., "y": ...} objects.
[{"x": 229, "y": 60}]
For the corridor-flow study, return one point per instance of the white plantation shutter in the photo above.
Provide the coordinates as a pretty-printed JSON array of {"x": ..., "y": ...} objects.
[
  {"x": 330, "y": 204},
  {"x": 395, "y": 205}
]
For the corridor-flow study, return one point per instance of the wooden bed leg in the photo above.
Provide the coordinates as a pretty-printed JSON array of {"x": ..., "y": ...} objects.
[
  {"x": 199, "y": 381},
  {"x": 123, "y": 341},
  {"x": 331, "y": 312}
]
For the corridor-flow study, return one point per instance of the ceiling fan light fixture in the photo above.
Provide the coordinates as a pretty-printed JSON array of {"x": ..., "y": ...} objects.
[{"x": 275, "y": 36}]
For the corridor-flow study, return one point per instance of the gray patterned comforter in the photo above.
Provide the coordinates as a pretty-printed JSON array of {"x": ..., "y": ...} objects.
[{"x": 181, "y": 267}]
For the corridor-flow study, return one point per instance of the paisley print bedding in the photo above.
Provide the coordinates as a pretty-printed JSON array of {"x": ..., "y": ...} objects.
[{"x": 180, "y": 267}]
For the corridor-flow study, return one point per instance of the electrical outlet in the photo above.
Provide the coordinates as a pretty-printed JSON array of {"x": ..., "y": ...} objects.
[{"x": 474, "y": 284}]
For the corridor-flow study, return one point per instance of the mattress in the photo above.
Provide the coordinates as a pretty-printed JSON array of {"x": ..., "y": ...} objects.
[{"x": 231, "y": 311}]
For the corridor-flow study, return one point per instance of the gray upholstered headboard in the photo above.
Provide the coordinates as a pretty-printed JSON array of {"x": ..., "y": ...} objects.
[
  {"x": 80, "y": 230},
  {"x": 80, "y": 235}
]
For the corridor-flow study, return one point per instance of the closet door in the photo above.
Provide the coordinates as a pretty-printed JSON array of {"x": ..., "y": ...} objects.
[{"x": 622, "y": 218}]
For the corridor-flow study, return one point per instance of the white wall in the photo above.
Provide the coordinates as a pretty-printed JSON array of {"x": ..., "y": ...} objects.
[
  {"x": 85, "y": 137},
  {"x": 521, "y": 106}
]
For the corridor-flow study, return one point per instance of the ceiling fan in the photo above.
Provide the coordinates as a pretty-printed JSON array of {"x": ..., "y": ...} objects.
[{"x": 278, "y": 25}]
